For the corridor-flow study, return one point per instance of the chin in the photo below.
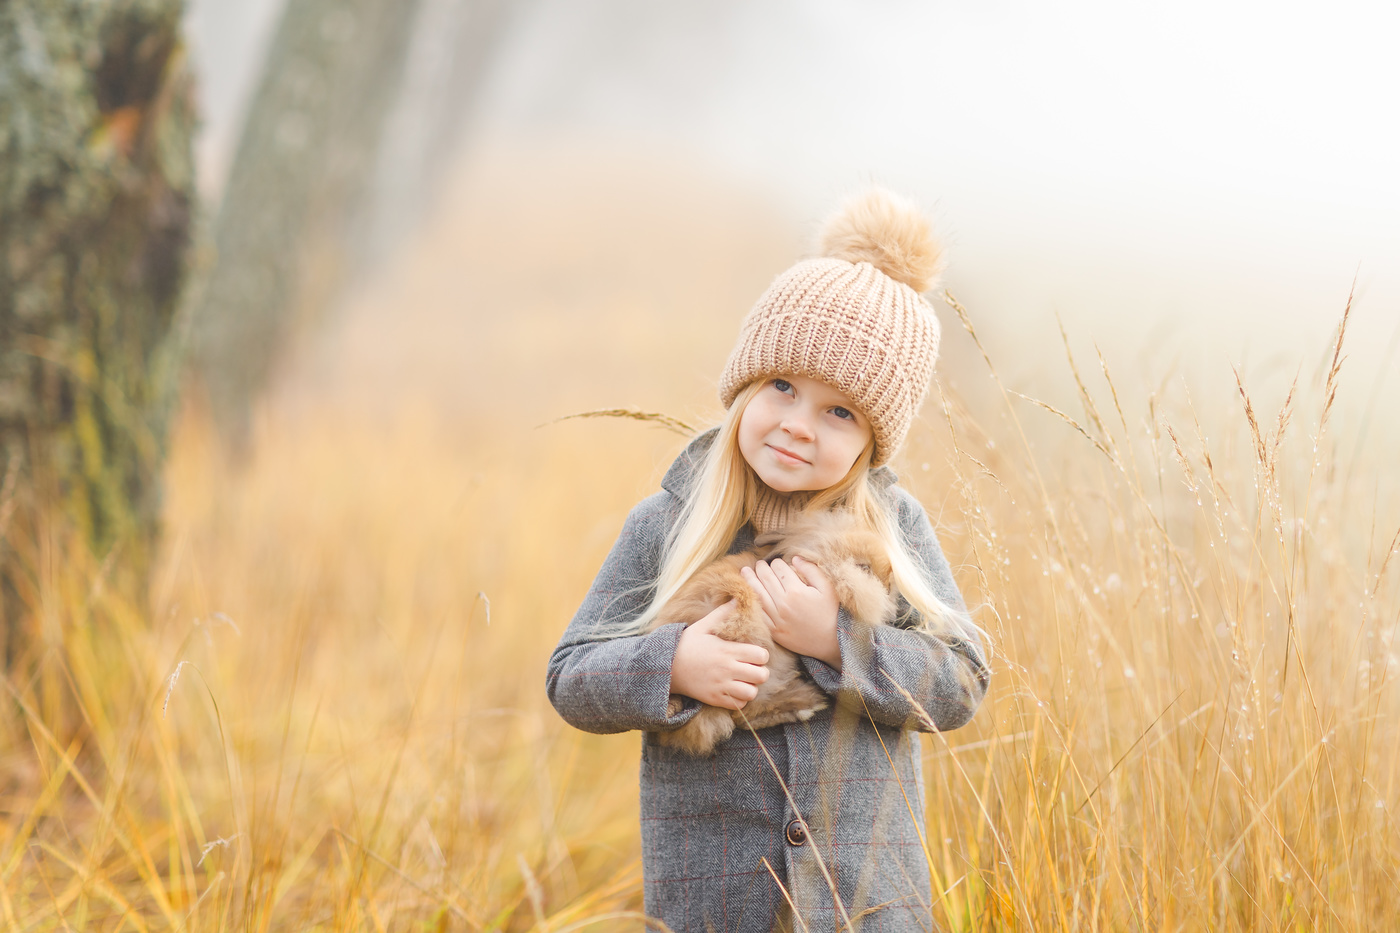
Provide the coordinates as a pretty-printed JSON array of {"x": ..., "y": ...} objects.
[{"x": 785, "y": 484}]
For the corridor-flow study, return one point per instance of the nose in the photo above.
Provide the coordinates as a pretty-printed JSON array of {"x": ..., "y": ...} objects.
[{"x": 798, "y": 425}]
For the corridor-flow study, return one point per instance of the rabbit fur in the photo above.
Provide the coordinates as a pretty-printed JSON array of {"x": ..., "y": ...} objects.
[{"x": 855, "y": 561}]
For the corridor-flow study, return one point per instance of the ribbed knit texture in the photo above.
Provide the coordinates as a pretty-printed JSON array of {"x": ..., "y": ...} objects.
[
  {"x": 772, "y": 509},
  {"x": 852, "y": 327}
]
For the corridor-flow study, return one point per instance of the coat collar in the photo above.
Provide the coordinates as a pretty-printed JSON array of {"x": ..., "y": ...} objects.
[{"x": 678, "y": 477}]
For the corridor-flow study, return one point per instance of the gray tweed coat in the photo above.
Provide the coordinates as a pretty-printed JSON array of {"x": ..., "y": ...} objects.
[{"x": 839, "y": 796}]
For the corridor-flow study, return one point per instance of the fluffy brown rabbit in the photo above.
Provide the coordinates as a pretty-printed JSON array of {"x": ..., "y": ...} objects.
[{"x": 857, "y": 564}]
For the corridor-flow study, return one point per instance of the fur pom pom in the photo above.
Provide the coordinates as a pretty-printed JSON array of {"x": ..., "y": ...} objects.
[{"x": 889, "y": 232}]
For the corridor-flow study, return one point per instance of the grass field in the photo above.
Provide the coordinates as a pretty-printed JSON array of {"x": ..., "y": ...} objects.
[{"x": 333, "y": 716}]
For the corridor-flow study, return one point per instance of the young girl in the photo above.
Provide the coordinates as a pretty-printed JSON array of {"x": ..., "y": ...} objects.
[{"x": 823, "y": 817}]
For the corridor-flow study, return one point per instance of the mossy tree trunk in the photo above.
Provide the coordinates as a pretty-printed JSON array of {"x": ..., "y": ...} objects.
[{"x": 96, "y": 196}]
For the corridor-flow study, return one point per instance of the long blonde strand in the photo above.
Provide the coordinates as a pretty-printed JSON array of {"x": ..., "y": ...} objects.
[
  {"x": 856, "y": 494},
  {"x": 721, "y": 500},
  {"x": 719, "y": 503}
]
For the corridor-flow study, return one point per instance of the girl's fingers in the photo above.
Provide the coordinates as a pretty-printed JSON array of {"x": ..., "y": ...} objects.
[
  {"x": 809, "y": 573},
  {"x": 784, "y": 573},
  {"x": 746, "y": 653},
  {"x": 750, "y": 673},
  {"x": 765, "y": 572},
  {"x": 765, "y": 599},
  {"x": 742, "y": 691},
  {"x": 800, "y": 573}
]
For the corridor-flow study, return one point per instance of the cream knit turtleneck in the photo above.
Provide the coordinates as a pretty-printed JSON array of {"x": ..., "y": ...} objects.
[{"x": 772, "y": 509}]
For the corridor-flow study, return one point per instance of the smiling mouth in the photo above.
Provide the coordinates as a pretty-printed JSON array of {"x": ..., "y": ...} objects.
[{"x": 787, "y": 454}]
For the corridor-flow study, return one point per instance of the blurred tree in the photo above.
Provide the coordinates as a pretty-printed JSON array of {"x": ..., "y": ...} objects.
[
  {"x": 305, "y": 171},
  {"x": 96, "y": 194}
]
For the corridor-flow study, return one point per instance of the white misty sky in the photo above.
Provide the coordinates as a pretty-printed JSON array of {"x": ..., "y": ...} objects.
[
  {"x": 1230, "y": 162},
  {"x": 1242, "y": 101}
]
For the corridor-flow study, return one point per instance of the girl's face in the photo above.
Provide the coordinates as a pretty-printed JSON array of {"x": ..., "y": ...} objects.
[{"x": 801, "y": 434}]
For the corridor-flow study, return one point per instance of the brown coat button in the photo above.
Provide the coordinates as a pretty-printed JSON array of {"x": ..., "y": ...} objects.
[{"x": 796, "y": 833}]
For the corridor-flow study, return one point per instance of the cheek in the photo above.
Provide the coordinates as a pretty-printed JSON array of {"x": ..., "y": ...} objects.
[
  {"x": 756, "y": 421},
  {"x": 746, "y": 428},
  {"x": 853, "y": 445},
  {"x": 750, "y": 433}
]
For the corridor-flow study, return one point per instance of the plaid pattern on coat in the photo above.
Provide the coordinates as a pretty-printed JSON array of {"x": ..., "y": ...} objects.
[{"x": 835, "y": 802}]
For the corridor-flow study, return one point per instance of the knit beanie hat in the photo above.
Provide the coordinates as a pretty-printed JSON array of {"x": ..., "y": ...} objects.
[{"x": 854, "y": 317}]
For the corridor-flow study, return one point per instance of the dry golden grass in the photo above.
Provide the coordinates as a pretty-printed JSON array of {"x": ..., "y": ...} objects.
[
  {"x": 1192, "y": 727},
  {"x": 333, "y": 717}
]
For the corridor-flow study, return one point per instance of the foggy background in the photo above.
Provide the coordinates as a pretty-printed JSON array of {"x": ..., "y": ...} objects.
[{"x": 1186, "y": 187}]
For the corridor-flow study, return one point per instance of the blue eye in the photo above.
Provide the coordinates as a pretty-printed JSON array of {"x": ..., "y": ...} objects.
[
  {"x": 844, "y": 413},
  {"x": 782, "y": 385}
]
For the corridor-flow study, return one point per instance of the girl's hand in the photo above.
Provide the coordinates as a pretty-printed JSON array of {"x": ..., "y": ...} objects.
[
  {"x": 801, "y": 605},
  {"x": 714, "y": 670}
]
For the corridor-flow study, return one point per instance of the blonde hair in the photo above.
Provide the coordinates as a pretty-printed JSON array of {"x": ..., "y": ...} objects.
[{"x": 723, "y": 495}]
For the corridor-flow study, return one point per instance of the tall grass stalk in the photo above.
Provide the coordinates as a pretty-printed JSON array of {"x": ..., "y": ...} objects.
[{"x": 333, "y": 716}]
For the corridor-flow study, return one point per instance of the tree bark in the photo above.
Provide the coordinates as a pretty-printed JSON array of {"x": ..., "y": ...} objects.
[
  {"x": 96, "y": 196},
  {"x": 303, "y": 163}
]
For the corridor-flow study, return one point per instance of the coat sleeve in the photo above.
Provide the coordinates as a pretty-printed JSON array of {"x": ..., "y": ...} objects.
[
  {"x": 947, "y": 676},
  {"x": 604, "y": 683}
]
